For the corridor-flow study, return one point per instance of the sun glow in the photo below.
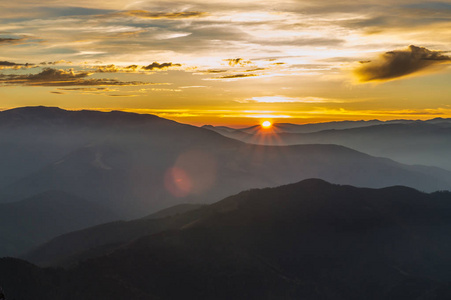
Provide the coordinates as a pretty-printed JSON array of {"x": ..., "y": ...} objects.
[{"x": 266, "y": 124}]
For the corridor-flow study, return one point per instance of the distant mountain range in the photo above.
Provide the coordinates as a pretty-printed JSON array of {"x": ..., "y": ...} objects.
[
  {"x": 33, "y": 221},
  {"x": 137, "y": 164},
  {"x": 309, "y": 240},
  {"x": 407, "y": 141}
]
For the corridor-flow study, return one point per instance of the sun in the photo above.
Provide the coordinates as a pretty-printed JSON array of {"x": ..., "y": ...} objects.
[{"x": 266, "y": 124}]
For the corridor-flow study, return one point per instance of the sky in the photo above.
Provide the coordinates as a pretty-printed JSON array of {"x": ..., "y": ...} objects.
[{"x": 234, "y": 62}]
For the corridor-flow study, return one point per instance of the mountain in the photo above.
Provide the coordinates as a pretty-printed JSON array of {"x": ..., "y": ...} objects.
[
  {"x": 69, "y": 248},
  {"x": 310, "y": 127},
  {"x": 174, "y": 210},
  {"x": 138, "y": 164},
  {"x": 33, "y": 137},
  {"x": 410, "y": 142},
  {"x": 32, "y": 221},
  {"x": 309, "y": 240}
]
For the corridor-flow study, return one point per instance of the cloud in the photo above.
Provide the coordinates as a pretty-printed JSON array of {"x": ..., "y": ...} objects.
[
  {"x": 233, "y": 76},
  {"x": 14, "y": 66},
  {"x": 8, "y": 64},
  {"x": 157, "y": 66},
  {"x": 11, "y": 41},
  {"x": 135, "y": 68},
  {"x": 211, "y": 71},
  {"x": 256, "y": 69},
  {"x": 54, "y": 77},
  {"x": 102, "y": 89},
  {"x": 115, "y": 69},
  {"x": 108, "y": 69},
  {"x": 285, "y": 99},
  {"x": 164, "y": 15},
  {"x": 52, "y": 63},
  {"x": 237, "y": 62},
  {"x": 399, "y": 63},
  {"x": 119, "y": 95}
]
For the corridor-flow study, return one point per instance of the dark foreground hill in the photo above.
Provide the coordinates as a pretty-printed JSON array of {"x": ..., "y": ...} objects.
[
  {"x": 310, "y": 240},
  {"x": 32, "y": 221},
  {"x": 137, "y": 164}
]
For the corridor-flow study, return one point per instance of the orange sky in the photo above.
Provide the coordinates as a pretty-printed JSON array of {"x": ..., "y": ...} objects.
[{"x": 230, "y": 62}]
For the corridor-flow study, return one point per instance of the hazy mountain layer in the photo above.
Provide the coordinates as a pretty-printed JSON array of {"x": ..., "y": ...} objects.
[
  {"x": 413, "y": 142},
  {"x": 137, "y": 164},
  {"x": 32, "y": 221}
]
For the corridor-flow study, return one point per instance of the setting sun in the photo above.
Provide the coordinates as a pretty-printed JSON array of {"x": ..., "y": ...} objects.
[{"x": 266, "y": 124}]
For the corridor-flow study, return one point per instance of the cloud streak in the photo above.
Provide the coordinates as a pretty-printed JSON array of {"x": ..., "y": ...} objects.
[
  {"x": 164, "y": 15},
  {"x": 235, "y": 76},
  {"x": 11, "y": 41},
  {"x": 400, "y": 63},
  {"x": 285, "y": 99},
  {"x": 55, "y": 77},
  {"x": 237, "y": 62},
  {"x": 155, "y": 66},
  {"x": 14, "y": 66}
]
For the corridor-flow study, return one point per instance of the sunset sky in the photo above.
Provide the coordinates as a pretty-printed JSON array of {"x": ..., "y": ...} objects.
[{"x": 230, "y": 62}]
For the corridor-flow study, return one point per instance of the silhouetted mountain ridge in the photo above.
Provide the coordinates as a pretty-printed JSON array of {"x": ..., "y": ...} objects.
[{"x": 309, "y": 240}]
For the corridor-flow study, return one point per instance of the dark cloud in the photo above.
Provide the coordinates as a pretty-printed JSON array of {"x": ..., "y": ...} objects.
[
  {"x": 237, "y": 76},
  {"x": 400, "y": 63},
  {"x": 211, "y": 71},
  {"x": 49, "y": 74},
  {"x": 256, "y": 69},
  {"x": 237, "y": 62},
  {"x": 107, "y": 69},
  {"x": 54, "y": 77},
  {"x": 119, "y": 95},
  {"x": 8, "y": 64},
  {"x": 10, "y": 41},
  {"x": 15, "y": 66},
  {"x": 86, "y": 89},
  {"x": 135, "y": 68},
  {"x": 53, "y": 63},
  {"x": 157, "y": 66},
  {"x": 164, "y": 15}
]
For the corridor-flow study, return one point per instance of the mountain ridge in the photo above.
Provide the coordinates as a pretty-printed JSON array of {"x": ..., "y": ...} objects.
[
  {"x": 129, "y": 162},
  {"x": 309, "y": 240}
]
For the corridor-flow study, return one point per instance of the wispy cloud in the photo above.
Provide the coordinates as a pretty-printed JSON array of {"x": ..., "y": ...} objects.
[
  {"x": 11, "y": 41},
  {"x": 237, "y": 62},
  {"x": 155, "y": 66},
  {"x": 235, "y": 76},
  {"x": 55, "y": 77},
  {"x": 14, "y": 66},
  {"x": 399, "y": 63},
  {"x": 54, "y": 63},
  {"x": 90, "y": 89},
  {"x": 164, "y": 15},
  {"x": 285, "y": 99}
]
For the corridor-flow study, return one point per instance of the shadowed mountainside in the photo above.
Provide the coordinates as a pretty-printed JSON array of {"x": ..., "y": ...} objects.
[
  {"x": 309, "y": 240},
  {"x": 32, "y": 221}
]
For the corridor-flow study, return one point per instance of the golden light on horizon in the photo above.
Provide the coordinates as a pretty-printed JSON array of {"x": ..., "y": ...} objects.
[{"x": 266, "y": 124}]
